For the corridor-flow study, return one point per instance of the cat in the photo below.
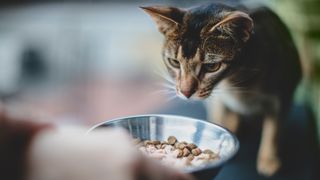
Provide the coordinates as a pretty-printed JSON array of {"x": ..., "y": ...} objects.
[{"x": 247, "y": 55}]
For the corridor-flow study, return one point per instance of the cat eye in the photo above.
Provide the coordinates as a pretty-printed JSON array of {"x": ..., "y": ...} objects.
[
  {"x": 212, "y": 67},
  {"x": 174, "y": 63}
]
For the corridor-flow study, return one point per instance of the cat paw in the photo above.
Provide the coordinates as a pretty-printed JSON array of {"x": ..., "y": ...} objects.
[{"x": 268, "y": 166}]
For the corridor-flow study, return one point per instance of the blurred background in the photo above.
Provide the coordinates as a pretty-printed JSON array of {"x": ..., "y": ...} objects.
[
  {"x": 86, "y": 61},
  {"x": 77, "y": 61}
]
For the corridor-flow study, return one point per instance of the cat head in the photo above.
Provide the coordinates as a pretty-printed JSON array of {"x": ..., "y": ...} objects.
[{"x": 200, "y": 44}]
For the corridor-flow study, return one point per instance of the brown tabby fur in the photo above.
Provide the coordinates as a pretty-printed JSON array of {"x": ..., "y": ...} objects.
[{"x": 246, "y": 55}]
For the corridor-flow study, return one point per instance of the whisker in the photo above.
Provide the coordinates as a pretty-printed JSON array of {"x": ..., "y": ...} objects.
[
  {"x": 171, "y": 98},
  {"x": 166, "y": 85},
  {"x": 164, "y": 77},
  {"x": 163, "y": 91},
  {"x": 164, "y": 74}
]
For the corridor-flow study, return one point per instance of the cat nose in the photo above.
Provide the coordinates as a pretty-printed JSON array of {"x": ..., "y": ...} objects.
[
  {"x": 186, "y": 93},
  {"x": 188, "y": 86}
]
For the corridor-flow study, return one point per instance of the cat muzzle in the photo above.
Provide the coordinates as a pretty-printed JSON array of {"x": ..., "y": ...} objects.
[{"x": 187, "y": 93}]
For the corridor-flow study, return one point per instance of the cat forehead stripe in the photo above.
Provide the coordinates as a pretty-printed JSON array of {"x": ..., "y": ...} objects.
[{"x": 189, "y": 47}]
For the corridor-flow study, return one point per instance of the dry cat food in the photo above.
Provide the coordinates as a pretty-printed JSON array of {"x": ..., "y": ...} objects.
[{"x": 174, "y": 153}]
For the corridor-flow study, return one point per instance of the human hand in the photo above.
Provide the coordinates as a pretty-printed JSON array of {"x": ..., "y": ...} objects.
[{"x": 67, "y": 154}]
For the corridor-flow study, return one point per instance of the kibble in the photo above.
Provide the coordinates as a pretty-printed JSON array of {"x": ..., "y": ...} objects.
[
  {"x": 147, "y": 142},
  {"x": 184, "y": 142},
  {"x": 172, "y": 140},
  {"x": 191, "y": 146},
  {"x": 164, "y": 142},
  {"x": 156, "y": 142},
  {"x": 179, "y": 153},
  {"x": 186, "y": 152},
  {"x": 163, "y": 146},
  {"x": 172, "y": 152},
  {"x": 196, "y": 151},
  {"x": 190, "y": 157},
  {"x": 181, "y": 146}
]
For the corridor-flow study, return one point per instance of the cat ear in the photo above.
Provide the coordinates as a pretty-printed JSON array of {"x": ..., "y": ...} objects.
[
  {"x": 168, "y": 19},
  {"x": 237, "y": 24}
]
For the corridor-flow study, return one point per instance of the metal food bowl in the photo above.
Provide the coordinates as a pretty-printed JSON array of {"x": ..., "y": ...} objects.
[{"x": 204, "y": 134}]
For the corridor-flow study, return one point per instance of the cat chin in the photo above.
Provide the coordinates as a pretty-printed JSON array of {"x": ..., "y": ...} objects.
[{"x": 194, "y": 97}]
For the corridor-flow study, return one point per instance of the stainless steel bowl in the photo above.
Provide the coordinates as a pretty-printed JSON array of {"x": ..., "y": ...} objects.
[{"x": 204, "y": 134}]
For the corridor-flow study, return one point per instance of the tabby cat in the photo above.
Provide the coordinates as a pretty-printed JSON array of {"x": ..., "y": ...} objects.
[{"x": 245, "y": 54}]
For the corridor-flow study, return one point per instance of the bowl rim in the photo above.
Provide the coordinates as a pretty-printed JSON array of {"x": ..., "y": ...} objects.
[{"x": 195, "y": 169}]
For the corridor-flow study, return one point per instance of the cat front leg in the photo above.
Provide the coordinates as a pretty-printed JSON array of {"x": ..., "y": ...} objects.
[
  {"x": 221, "y": 115},
  {"x": 268, "y": 162}
]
